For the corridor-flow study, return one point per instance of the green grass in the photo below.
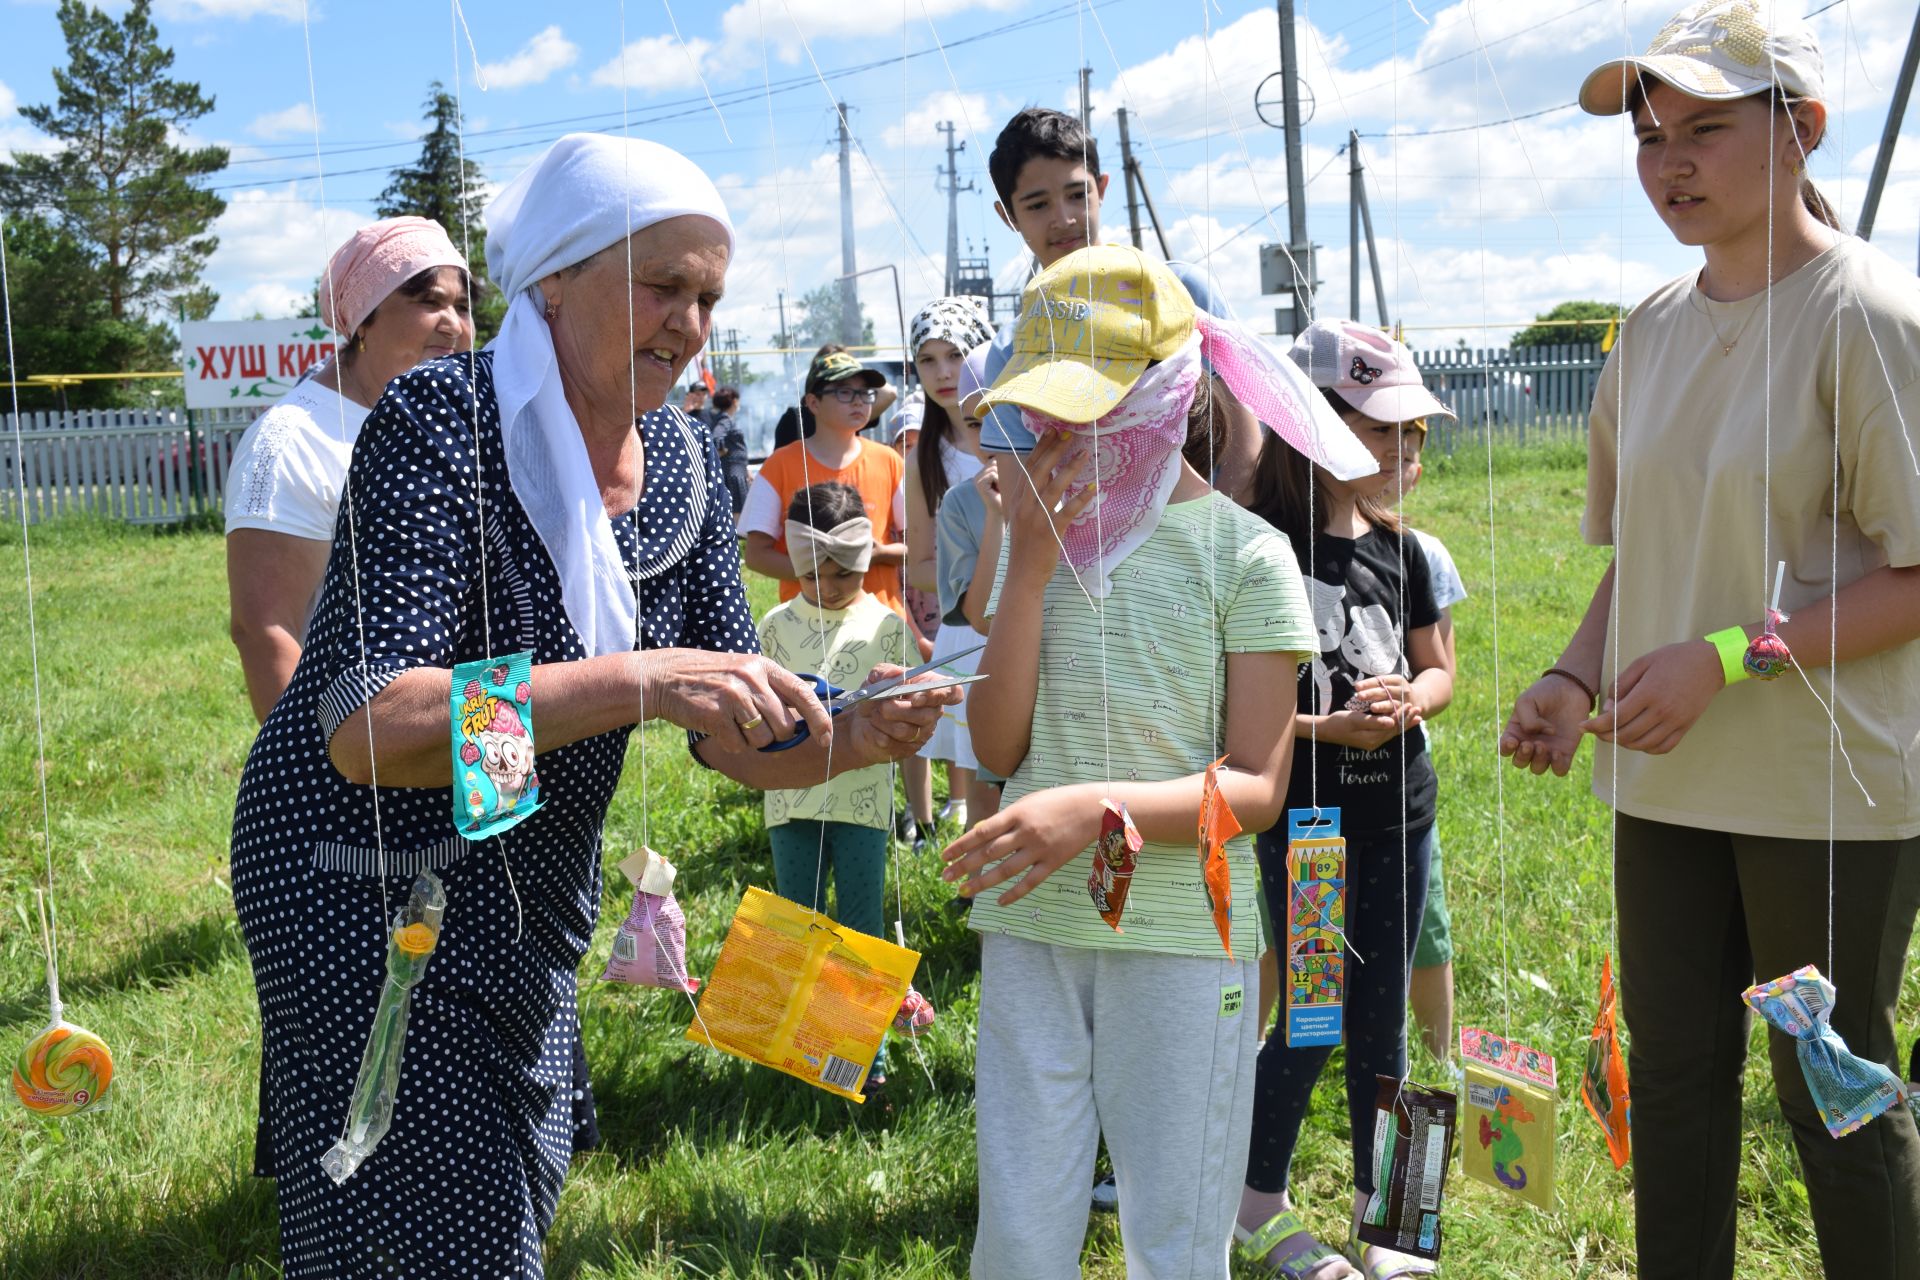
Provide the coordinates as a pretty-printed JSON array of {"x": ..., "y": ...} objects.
[{"x": 713, "y": 1168}]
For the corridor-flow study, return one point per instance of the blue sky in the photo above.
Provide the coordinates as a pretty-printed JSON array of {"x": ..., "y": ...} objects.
[{"x": 1476, "y": 225}]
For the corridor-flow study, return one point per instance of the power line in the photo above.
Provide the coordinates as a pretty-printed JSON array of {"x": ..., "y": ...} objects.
[{"x": 1469, "y": 128}]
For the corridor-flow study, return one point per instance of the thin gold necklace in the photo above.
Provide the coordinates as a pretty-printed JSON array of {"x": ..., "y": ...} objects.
[{"x": 1726, "y": 346}]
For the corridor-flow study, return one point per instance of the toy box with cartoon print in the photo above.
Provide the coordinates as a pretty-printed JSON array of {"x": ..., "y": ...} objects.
[
  {"x": 1316, "y": 970},
  {"x": 1508, "y": 1115}
]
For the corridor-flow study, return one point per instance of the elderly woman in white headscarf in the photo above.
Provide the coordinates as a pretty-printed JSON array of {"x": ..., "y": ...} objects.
[{"x": 525, "y": 499}]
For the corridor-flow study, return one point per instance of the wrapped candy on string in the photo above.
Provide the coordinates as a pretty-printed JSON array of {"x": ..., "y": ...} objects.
[
  {"x": 1217, "y": 826},
  {"x": 1603, "y": 1084},
  {"x": 794, "y": 991},
  {"x": 1848, "y": 1091},
  {"x": 410, "y": 947},
  {"x": 64, "y": 1069},
  {"x": 1767, "y": 657},
  {"x": 650, "y": 947},
  {"x": 495, "y": 783},
  {"x": 1116, "y": 855}
]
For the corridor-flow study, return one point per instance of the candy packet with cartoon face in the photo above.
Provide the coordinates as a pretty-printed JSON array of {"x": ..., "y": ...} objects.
[
  {"x": 1116, "y": 855},
  {"x": 1847, "y": 1090},
  {"x": 495, "y": 782},
  {"x": 650, "y": 947}
]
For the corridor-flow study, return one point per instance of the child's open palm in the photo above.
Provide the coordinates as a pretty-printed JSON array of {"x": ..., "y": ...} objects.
[
  {"x": 1544, "y": 731},
  {"x": 1036, "y": 835}
]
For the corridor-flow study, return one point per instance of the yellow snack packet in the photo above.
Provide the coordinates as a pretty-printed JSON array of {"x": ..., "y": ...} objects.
[{"x": 797, "y": 992}]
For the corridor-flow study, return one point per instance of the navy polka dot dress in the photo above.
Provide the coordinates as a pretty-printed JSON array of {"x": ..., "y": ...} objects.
[{"x": 466, "y": 1181}]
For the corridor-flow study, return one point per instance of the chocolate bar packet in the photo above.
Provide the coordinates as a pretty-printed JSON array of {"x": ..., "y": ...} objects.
[
  {"x": 1412, "y": 1140},
  {"x": 1116, "y": 855}
]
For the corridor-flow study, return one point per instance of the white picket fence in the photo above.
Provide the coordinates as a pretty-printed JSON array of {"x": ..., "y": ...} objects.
[
  {"x": 142, "y": 465},
  {"x": 1516, "y": 395}
]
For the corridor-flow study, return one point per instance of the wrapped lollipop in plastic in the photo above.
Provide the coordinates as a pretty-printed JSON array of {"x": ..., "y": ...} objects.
[
  {"x": 416, "y": 932},
  {"x": 1847, "y": 1090},
  {"x": 64, "y": 1069}
]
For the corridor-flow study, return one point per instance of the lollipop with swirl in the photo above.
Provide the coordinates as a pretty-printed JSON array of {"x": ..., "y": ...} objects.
[
  {"x": 65, "y": 1069},
  {"x": 1767, "y": 657}
]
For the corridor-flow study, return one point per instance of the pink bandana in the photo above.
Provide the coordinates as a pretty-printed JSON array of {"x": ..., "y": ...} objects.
[
  {"x": 1137, "y": 460},
  {"x": 1282, "y": 396}
]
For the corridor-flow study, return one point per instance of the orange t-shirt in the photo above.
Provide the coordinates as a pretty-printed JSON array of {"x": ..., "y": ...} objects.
[{"x": 876, "y": 473}]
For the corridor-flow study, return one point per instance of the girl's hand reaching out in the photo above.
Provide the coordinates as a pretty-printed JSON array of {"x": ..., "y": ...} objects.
[
  {"x": 1037, "y": 834},
  {"x": 1544, "y": 730},
  {"x": 1659, "y": 697}
]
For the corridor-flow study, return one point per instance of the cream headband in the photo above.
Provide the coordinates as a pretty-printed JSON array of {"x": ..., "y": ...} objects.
[{"x": 848, "y": 544}]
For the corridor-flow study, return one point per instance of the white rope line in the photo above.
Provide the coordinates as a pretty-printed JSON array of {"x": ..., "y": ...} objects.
[
  {"x": 50, "y": 924},
  {"x": 693, "y": 65},
  {"x": 353, "y": 537}
]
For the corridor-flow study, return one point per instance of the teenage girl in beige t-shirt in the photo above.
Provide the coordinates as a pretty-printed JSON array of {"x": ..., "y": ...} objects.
[{"x": 1757, "y": 412}]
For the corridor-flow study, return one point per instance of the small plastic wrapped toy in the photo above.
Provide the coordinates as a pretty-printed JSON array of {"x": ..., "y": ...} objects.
[
  {"x": 1509, "y": 1117},
  {"x": 650, "y": 947},
  {"x": 1848, "y": 1091},
  {"x": 416, "y": 932}
]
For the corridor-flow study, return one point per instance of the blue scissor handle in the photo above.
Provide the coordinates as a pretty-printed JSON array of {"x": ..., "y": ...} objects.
[{"x": 828, "y": 695}]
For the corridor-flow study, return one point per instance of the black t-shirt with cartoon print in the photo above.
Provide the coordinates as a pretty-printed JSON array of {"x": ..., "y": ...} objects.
[{"x": 1367, "y": 594}]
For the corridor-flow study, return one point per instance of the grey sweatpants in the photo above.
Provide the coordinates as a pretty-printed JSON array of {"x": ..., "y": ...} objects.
[{"x": 1155, "y": 1051}]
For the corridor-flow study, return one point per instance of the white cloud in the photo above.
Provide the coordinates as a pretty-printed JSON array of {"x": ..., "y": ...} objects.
[
  {"x": 270, "y": 300},
  {"x": 548, "y": 52},
  {"x": 963, "y": 109},
  {"x": 785, "y": 24},
  {"x": 273, "y": 244},
  {"x": 654, "y": 63},
  {"x": 216, "y": 10},
  {"x": 297, "y": 119},
  {"x": 9, "y": 103}
]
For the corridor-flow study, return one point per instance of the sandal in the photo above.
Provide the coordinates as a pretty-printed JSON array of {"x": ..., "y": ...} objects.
[
  {"x": 1377, "y": 1262},
  {"x": 1301, "y": 1257}
]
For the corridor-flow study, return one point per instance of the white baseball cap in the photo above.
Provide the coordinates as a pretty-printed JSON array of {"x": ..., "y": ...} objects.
[
  {"x": 1367, "y": 369},
  {"x": 908, "y": 417},
  {"x": 1718, "y": 50}
]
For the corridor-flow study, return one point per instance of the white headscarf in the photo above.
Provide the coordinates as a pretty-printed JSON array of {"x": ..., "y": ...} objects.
[{"x": 586, "y": 192}]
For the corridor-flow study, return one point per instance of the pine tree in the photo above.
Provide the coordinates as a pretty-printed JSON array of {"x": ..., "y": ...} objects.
[
  {"x": 450, "y": 190},
  {"x": 442, "y": 185},
  {"x": 119, "y": 188},
  {"x": 820, "y": 318}
]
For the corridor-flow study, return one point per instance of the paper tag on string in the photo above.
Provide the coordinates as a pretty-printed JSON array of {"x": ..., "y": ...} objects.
[
  {"x": 1847, "y": 1090},
  {"x": 794, "y": 991},
  {"x": 1316, "y": 970},
  {"x": 1603, "y": 1084},
  {"x": 495, "y": 784},
  {"x": 1116, "y": 855},
  {"x": 650, "y": 947},
  {"x": 1217, "y": 826},
  {"x": 1508, "y": 1116},
  {"x": 1412, "y": 1139}
]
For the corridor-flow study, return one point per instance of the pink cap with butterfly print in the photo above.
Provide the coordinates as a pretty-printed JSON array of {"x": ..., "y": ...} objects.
[{"x": 1367, "y": 369}]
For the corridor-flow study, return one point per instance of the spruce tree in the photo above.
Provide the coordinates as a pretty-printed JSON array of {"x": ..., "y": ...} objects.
[{"x": 450, "y": 190}]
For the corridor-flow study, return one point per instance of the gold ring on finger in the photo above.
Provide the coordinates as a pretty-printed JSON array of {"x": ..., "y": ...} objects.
[{"x": 749, "y": 726}]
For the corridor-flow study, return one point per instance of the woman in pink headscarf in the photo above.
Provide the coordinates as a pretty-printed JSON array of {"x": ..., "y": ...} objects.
[{"x": 397, "y": 292}]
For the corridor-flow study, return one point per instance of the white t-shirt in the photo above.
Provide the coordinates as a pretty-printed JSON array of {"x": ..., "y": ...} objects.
[
  {"x": 1449, "y": 589},
  {"x": 291, "y": 465}
]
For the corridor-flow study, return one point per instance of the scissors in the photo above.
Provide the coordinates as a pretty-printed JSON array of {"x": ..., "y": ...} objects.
[{"x": 836, "y": 700}]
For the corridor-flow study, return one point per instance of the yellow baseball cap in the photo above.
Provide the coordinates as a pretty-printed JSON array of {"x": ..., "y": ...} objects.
[{"x": 1089, "y": 325}]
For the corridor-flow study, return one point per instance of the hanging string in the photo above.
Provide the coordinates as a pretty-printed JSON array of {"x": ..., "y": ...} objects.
[
  {"x": 353, "y": 537},
  {"x": 457, "y": 21},
  {"x": 1493, "y": 544},
  {"x": 49, "y": 917}
]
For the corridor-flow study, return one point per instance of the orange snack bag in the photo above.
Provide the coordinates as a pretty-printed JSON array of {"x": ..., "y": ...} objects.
[
  {"x": 1603, "y": 1085},
  {"x": 1217, "y": 826}
]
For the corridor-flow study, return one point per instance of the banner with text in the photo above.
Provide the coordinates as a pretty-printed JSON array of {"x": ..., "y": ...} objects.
[{"x": 232, "y": 364}]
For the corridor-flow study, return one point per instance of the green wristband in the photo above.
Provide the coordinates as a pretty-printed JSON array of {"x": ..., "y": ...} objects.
[{"x": 1732, "y": 644}]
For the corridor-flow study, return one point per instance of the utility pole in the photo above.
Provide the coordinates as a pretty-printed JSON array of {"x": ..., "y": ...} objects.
[
  {"x": 1300, "y": 248},
  {"x": 1126, "y": 174},
  {"x": 1373, "y": 250},
  {"x": 1086, "y": 104},
  {"x": 1896, "y": 112},
  {"x": 786, "y": 339},
  {"x": 953, "y": 190},
  {"x": 849, "y": 294},
  {"x": 1140, "y": 180}
]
